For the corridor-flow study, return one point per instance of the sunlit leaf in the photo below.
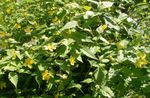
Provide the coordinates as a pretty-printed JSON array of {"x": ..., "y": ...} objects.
[
  {"x": 69, "y": 25},
  {"x": 13, "y": 77},
  {"x": 88, "y": 53}
]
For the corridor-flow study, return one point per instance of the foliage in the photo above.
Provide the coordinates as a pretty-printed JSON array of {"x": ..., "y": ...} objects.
[{"x": 75, "y": 48}]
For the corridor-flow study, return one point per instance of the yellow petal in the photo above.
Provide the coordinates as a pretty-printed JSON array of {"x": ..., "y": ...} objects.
[
  {"x": 17, "y": 26},
  {"x": 51, "y": 46},
  {"x": 87, "y": 8},
  {"x": 140, "y": 63},
  {"x": 29, "y": 62},
  {"x": 55, "y": 19},
  {"x": 72, "y": 60},
  {"x": 142, "y": 55},
  {"x": 14, "y": 54},
  {"x": 8, "y": 10},
  {"x": 2, "y": 34},
  {"x": 28, "y": 30},
  {"x": 46, "y": 75},
  {"x": 103, "y": 27}
]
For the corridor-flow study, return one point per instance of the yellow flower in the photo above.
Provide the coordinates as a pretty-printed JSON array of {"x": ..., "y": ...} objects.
[
  {"x": 111, "y": 57},
  {"x": 72, "y": 60},
  {"x": 46, "y": 75},
  {"x": 142, "y": 55},
  {"x": 17, "y": 26},
  {"x": 28, "y": 30},
  {"x": 2, "y": 34},
  {"x": 9, "y": 10},
  {"x": 88, "y": 8},
  {"x": 141, "y": 61},
  {"x": 50, "y": 47},
  {"x": 55, "y": 19},
  {"x": 104, "y": 27},
  {"x": 52, "y": 11},
  {"x": 101, "y": 28},
  {"x": 2, "y": 85},
  {"x": 29, "y": 62}
]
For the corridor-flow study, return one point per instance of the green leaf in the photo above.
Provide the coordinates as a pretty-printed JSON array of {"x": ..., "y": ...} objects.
[
  {"x": 88, "y": 80},
  {"x": 27, "y": 54},
  {"x": 65, "y": 67},
  {"x": 13, "y": 77},
  {"x": 105, "y": 4},
  {"x": 120, "y": 56},
  {"x": 4, "y": 60},
  {"x": 86, "y": 51},
  {"x": 107, "y": 92},
  {"x": 105, "y": 60},
  {"x": 78, "y": 86},
  {"x": 61, "y": 87},
  {"x": 93, "y": 1},
  {"x": 122, "y": 17},
  {"x": 38, "y": 80},
  {"x": 146, "y": 89},
  {"x": 62, "y": 51},
  {"x": 93, "y": 63},
  {"x": 19, "y": 55},
  {"x": 9, "y": 68},
  {"x": 104, "y": 40},
  {"x": 95, "y": 49},
  {"x": 69, "y": 25},
  {"x": 100, "y": 75}
]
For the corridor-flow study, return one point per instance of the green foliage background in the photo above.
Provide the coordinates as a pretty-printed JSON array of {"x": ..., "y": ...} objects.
[{"x": 75, "y": 48}]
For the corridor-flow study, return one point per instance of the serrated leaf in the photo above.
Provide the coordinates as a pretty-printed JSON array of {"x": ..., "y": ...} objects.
[
  {"x": 99, "y": 76},
  {"x": 69, "y": 25},
  {"x": 27, "y": 54},
  {"x": 107, "y": 92},
  {"x": 9, "y": 68},
  {"x": 13, "y": 77},
  {"x": 86, "y": 51},
  {"x": 104, "y": 40},
  {"x": 122, "y": 16},
  {"x": 95, "y": 49},
  {"x": 79, "y": 58}
]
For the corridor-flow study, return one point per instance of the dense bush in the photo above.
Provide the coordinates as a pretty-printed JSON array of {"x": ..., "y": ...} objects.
[{"x": 75, "y": 48}]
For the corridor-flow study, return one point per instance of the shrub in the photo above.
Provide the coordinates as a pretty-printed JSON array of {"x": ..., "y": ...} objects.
[{"x": 74, "y": 48}]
